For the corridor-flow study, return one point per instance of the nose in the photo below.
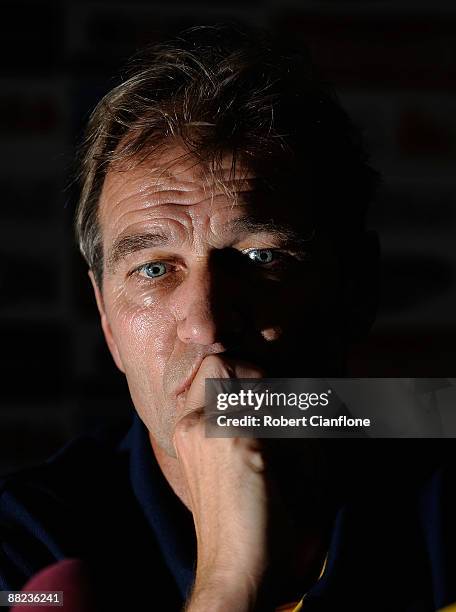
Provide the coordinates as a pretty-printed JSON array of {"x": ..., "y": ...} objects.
[{"x": 206, "y": 313}]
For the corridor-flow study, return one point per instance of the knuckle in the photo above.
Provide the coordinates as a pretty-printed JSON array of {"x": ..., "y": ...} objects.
[
  {"x": 188, "y": 421},
  {"x": 217, "y": 367}
]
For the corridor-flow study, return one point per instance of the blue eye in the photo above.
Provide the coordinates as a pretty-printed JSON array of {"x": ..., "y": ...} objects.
[
  {"x": 261, "y": 256},
  {"x": 153, "y": 269}
]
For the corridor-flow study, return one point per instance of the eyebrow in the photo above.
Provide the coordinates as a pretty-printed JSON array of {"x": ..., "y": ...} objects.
[
  {"x": 132, "y": 243},
  {"x": 283, "y": 231},
  {"x": 126, "y": 245}
]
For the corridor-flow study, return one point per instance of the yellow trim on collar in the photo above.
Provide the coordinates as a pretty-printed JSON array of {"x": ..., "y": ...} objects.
[{"x": 298, "y": 606}]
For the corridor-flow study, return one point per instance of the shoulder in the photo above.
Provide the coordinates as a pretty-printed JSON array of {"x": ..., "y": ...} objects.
[{"x": 49, "y": 512}]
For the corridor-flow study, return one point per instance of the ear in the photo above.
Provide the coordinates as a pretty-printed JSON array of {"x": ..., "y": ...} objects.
[
  {"x": 362, "y": 287},
  {"x": 105, "y": 324}
]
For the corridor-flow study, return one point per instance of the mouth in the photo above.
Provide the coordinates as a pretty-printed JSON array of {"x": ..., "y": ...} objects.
[
  {"x": 181, "y": 395},
  {"x": 182, "y": 389},
  {"x": 180, "y": 401},
  {"x": 185, "y": 386}
]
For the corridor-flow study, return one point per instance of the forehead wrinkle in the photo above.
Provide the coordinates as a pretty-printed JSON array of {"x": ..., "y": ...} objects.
[
  {"x": 170, "y": 222},
  {"x": 170, "y": 173},
  {"x": 162, "y": 184},
  {"x": 211, "y": 179},
  {"x": 148, "y": 195}
]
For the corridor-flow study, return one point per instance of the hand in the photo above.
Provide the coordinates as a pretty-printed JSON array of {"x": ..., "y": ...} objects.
[{"x": 226, "y": 486}]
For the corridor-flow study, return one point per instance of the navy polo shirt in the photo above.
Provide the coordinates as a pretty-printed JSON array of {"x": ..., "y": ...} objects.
[{"x": 103, "y": 499}]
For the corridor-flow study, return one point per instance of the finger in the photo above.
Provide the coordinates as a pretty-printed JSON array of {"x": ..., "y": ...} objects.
[
  {"x": 185, "y": 424},
  {"x": 217, "y": 366}
]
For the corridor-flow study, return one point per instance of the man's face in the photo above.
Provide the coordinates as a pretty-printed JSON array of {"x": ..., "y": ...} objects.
[{"x": 190, "y": 271}]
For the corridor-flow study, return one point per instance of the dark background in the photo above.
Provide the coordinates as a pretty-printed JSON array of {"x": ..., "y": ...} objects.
[{"x": 394, "y": 66}]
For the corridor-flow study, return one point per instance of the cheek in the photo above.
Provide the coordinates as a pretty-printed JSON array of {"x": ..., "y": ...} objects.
[{"x": 145, "y": 335}]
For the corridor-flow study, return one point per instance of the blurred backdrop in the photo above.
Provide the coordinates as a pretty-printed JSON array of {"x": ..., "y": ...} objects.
[{"x": 394, "y": 67}]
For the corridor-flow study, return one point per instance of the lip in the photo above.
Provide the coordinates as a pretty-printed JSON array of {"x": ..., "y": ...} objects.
[{"x": 185, "y": 386}]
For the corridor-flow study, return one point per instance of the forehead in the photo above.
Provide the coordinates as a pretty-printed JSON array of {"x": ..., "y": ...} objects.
[{"x": 172, "y": 179}]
